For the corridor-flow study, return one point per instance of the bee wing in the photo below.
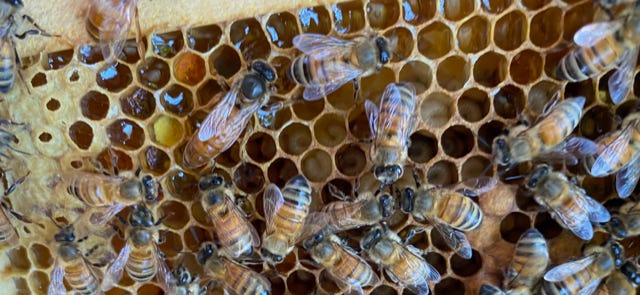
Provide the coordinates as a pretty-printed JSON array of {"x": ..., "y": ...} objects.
[
  {"x": 595, "y": 210},
  {"x": 580, "y": 146},
  {"x": 456, "y": 240},
  {"x": 339, "y": 72},
  {"x": 564, "y": 270},
  {"x": 315, "y": 223},
  {"x": 216, "y": 120},
  {"x": 110, "y": 43},
  {"x": 372, "y": 113},
  {"x": 590, "y": 288},
  {"x": 627, "y": 178},
  {"x": 620, "y": 82},
  {"x": 317, "y": 44},
  {"x": 163, "y": 276},
  {"x": 392, "y": 96},
  {"x": 487, "y": 289},
  {"x": 272, "y": 201},
  {"x": 431, "y": 273},
  {"x": 56, "y": 286},
  {"x": 422, "y": 271},
  {"x": 576, "y": 222},
  {"x": 475, "y": 187},
  {"x": 590, "y": 34},
  {"x": 105, "y": 214},
  {"x": 611, "y": 153},
  {"x": 115, "y": 270}
]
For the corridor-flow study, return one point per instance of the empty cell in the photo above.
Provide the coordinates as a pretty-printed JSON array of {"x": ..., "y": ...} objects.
[
  {"x": 598, "y": 188},
  {"x": 359, "y": 123},
  {"x": 403, "y": 43},
  {"x": 247, "y": 35},
  {"x": 513, "y": 226},
  {"x": 490, "y": 69},
  {"x": 510, "y": 31},
  {"x": 509, "y": 102},
  {"x": 584, "y": 88},
  {"x": 496, "y": 6},
  {"x": 343, "y": 97},
  {"x": 57, "y": 60},
  {"x": 156, "y": 160},
  {"x": 525, "y": 201},
  {"x": 436, "y": 109},
  {"x": 230, "y": 157},
  {"x": 38, "y": 80},
  {"x": 178, "y": 217},
  {"x": 249, "y": 178},
  {"x": 282, "y": 27},
  {"x": 526, "y": 67},
  {"x": 457, "y": 141},
  {"x": 348, "y": 17},
  {"x": 94, "y": 105},
  {"x": 384, "y": 290},
  {"x": 627, "y": 107},
  {"x": 435, "y": 40},
  {"x": 342, "y": 185},
  {"x": 596, "y": 122},
  {"x": 473, "y": 35},
  {"x": 288, "y": 264},
  {"x": 382, "y": 13},
  {"x": 534, "y": 4},
  {"x": 204, "y": 38},
  {"x": 182, "y": 185},
  {"x": 475, "y": 166},
  {"x": 195, "y": 236},
  {"x": 154, "y": 73},
  {"x": 261, "y": 147},
  {"x": 138, "y": 103},
  {"x": 315, "y": 20},
  {"x": 316, "y": 165},
  {"x": 548, "y": 227},
  {"x": 38, "y": 282},
  {"x": 189, "y": 68},
  {"x": 437, "y": 261},
  {"x": 466, "y": 267},
  {"x": 81, "y": 134},
  {"x": 575, "y": 18},
  {"x": 420, "y": 237},
  {"x": 418, "y": 74},
  {"x": 540, "y": 94},
  {"x": 473, "y": 105},
  {"x": 126, "y": 134},
  {"x": 53, "y": 104},
  {"x": 449, "y": 286},
  {"x": 19, "y": 259},
  {"x": 636, "y": 85},
  {"x": 453, "y": 72},
  {"x": 553, "y": 58},
  {"x": 167, "y": 131},
  {"x": 207, "y": 91},
  {"x": 350, "y": 160},
  {"x": 372, "y": 86},
  {"x": 44, "y": 137},
  {"x": 301, "y": 282},
  {"x": 115, "y": 77},
  {"x": 424, "y": 146},
  {"x": 295, "y": 138},
  {"x": 168, "y": 44},
  {"x": 225, "y": 61},
  {"x": 330, "y": 130},
  {"x": 328, "y": 282},
  {"x": 417, "y": 12},
  {"x": 281, "y": 170},
  {"x": 89, "y": 54},
  {"x": 22, "y": 288},
  {"x": 177, "y": 100},
  {"x": 545, "y": 30},
  {"x": 308, "y": 110},
  {"x": 442, "y": 173},
  {"x": 456, "y": 10},
  {"x": 281, "y": 65}
]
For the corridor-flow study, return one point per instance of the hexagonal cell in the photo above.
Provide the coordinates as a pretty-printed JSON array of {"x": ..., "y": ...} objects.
[
  {"x": 382, "y": 13},
  {"x": 598, "y": 188},
  {"x": 417, "y": 12},
  {"x": 22, "y": 287},
  {"x": 348, "y": 17},
  {"x": 189, "y": 68},
  {"x": 287, "y": 264},
  {"x": 94, "y": 105},
  {"x": 453, "y": 72},
  {"x": 114, "y": 78},
  {"x": 510, "y": 31},
  {"x": 596, "y": 122},
  {"x": 197, "y": 235},
  {"x": 328, "y": 282},
  {"x": 59, "y": 59},
  {"x": 230, "y": 157},
  {"x": 204, "y": 38},
  {"x": 308, "y": 110},
  {"x": 177, "y": 100},
  {"x": 156, "y": 160},
  {"x": 316, "y": 165},
  {"x": 473, "y": 105},
  {"x": 575, "y": 18},
  {"x": 126, "y": 134},
  {"x": 41, "y": 256},
  {"x": 282, "y": 27},
  {"x": 456, "y": 10},
  {"x": 225, "y": 61},
  {"x": 466, "y": 267},
  {"x": 207, "y": 91},
  {"x": 138, "y": 103},
  {"x": 435, "y": 40},
  {"x": 182, "y": 185},
  {"x": 371, "y": 87},
  {"x": 301, "y": 282},
  {"x": 457, "y": 141},
  {"x": 343, "y": 97},
  {"x": 167, "y": 44},
  {"x": 167, "y": 131},
  {"x": 449, "y": 286},
  {"x": 418, "y": 74},
  {"x": 526, "y": 67},
  {"x": 329, "y": 130},
  {"x": 19, "y": 259},
  {"x": 584, "y": 88},
  {"x": 154, "y": 73},
  {"x": 545, "y": 30},
  {"x": 540, "y": 94},
  {"x": 315, "y": 20},
  {"x": 384, "y": 290},
  {"x": 475, "y": 166},
  {"x": 281, "y": 170},
  {"x": 403, "y": 41},
  {"x": 261, "y": 147},
  {"x": 473, "y": 35},
  {"x": 424, "y": 146},
  {"x": 129, "y": 52},
  {"x": 247, "y": 35},
  {"x": 45, "y": 137},
  {"x": 81, "y": 134},
  {"x": 509, "y": 102},
  {"x": 525, "y": 201},
  {"x": 38, "y": 282},
  {"x": 88, "y": 54},
  {"x": 490, "y": 69},
  {"x": 179, "y": 217},
  {"x": 534, "y": 4},
  {"x": 249, "y": 178},
  {"x": 359, "y": 123},
  {"x": 636, "y": 85},
  {"x": 436, "y": 109},
  {"x": 442, "y": 173},
  {"x": 547, "y": 226},
  {"x": 496, "y": 6},
  {"x": 123, "y": 161},
  {"x": 513, "y": 226},
  {"x": 350, "y": 160},
  {"x": 295, "y": 138}
]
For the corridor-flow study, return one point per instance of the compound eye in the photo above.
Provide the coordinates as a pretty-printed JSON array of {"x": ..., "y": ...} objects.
[
  {"x": 379, "y": 171},
  {"x": 279, "y": 258},
  {"x": 397, "y": 170}
]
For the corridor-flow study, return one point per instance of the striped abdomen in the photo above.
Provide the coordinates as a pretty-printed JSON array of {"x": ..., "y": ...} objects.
[
  {"x": 232, "y": 232},
  {"x": 351, "y": 268},
  {"x": 396, "y": 118},
  {"x": 241, "y": 280},
  {"x": 625, "y": 155},
  {"x": 8, "y": 234},
  {"x": 7, "y": 66},
  {"x": 561, "y": 196},
  {"x": 530, "y": 260},
  {"x": 402, "y": 269},
  {"x": 556, "y": 127},
  {"x": 586, "y": 62},
  {"x": 93, "y": 189},
  {"x": 346, "y": 215},
  {"x": 142, "y": 264},
  {"x": 80, "y": 277},
  {"x": 289, "y": 220},
  {"x": 572, "y": 284},
  {"x": 458, "y": 211},
  {"x": 307, "y": 71}
]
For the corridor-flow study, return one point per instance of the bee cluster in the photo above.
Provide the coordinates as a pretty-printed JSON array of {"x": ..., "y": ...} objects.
[{"x": 355, "y": 147}]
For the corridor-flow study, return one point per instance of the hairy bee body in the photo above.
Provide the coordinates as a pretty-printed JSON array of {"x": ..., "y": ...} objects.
[
  {"x": 625, "y": 223},
  {"x": 142, "y": 264},
  {"x": 109, "y": 22},
  {"x": 612, "y": 157},
  {"x": 79, "y": 276},
  {"x": 452, "y": 207},
  {"x": 97, "y": 190},
  {"x": 586, "y": 62},
  {"x": 7, "y": 50},
  {"x": 368, "y": 209},
  {"x": 235, "y": 278},
  {"x": 183, "y": 283},
  {"x": 530, "y": 260},
  {"x": 71, "y": 265}
]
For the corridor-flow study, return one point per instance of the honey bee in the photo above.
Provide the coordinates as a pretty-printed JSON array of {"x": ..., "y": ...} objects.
[
  {"x": 391, "y": 126},
  {"x": 449, "y": 209},
  {"x": 7, "y": 138},
  {"x": 327, "y": 63},
  {"x": 530, "y": 260},
  {"x": 342, "y": 263},
  {"x": 583, "y": 276},
  {"x": 622, "y": 281},
  {"x": 285, "y": 213},
  {"x": 618, "y": 152},
  {"x": 235, "y": 278},
  {"x": 625, "y": 223},
  {"x": 235, "y": 234},
  {"x": 140, "y": 255},
  {"x": 109, "y": 22},
  {"x": 231, "y": 115},
  {"x": 72, "y": 266},
  {"x": 547, "y": 137},
  {"x": 8, "y": 235},
  {"x": 183, "y": 283},
  {"x": 402, "y": 262},
  {"x": 603, "y": 46}
]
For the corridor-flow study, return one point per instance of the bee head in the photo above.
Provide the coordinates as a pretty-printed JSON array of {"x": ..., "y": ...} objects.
[
  {"x": 383, "y": 48},
  {"x": 65, "y": 234},
  {"x": 406, "y": 200},
  {"x": 141, "y": 216},
  {"x": 534, "y": 177},
  {"x": 501, "y": 150},
  {"x": 265, "y": 70},
  {"x": 150, "y": 188},
  {"x": 630, "y": 271},
  {"x": 210, "y": 181},
  {"x": 313, "y": 241},
  {"x": 386, "y": 204},
  {"x": 371, "y": 238},
  {"x": 271, "y": 258},
  {"x": 182, "y": 275},
  {"x": 388, "y": 174},
  {"x": 617, "y": 228},
  {"x": 618, "y": 253},
  {"x": 16, "y": 3},
  {"x": 207, "y": 250}
]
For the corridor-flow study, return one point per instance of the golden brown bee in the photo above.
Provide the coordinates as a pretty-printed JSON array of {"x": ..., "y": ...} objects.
[
  {"x": 449, "y": 209},
  {"x": 72, "y": 266},
  {"x": 530, "y": 260},
  {"x": 625, "y": 223},
  {"x": 234, "y": 277},
  {"x": 548, "y": 137},
  {"x": 230, "y": 116},
  {"x": 604, "y": 46},
  {"x": 183, "y": 283},
  {"x": 622, "y": 281},
  {"x": 391, "y": 126},
  {"x": 285, "y": 213},
  {"x": 618, "y": 152},
  {"x": 568, "y": 203},
  {"x": 583, "y": 276},
  {"x": 330, "y": 62},
  {"x": 343, "y": 264},
  {"x": 402, "y": 262},
  {"x": 140, "y": 255},
  {"x": 109, "y": 22},
  {"x": 235, "y": 234},
  {"x": 8, "y": 235}
]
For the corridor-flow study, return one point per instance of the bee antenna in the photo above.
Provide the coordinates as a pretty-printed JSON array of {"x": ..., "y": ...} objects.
[{"x": 515, "y": 177}]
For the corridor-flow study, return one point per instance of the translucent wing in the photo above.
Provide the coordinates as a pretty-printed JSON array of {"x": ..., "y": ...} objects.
[
  {"x": 429, "y": 272},
  {"x": 487, "y": 289},
  {"x": 590, "y": 34},
  {"x": 620, "y": 82},
  {"x": 163, "y": 276},
  {"x": 372, "y": 113},
  {"x": 595, "y": 210},
  {"x": 217, "y": 222},
  {"x": 216, "y": 121},
  {"x": 627, "y": 178},
  {"x": 580, "y": 146},
  {"x": 105, "y": 214},
  {"x": 590, "y": 288},
  {"x": 115, "y": 28},
  {"x": 316, "y": 43},
  {"x": 393, "y": 104},
  {"x": 339, "y": 74},
  {"x": 549, "y": 107},
  {"x": 564, "y": 270},
  {"x": 273, "y": 200},
  {"x": 421, "y": 272},
  {"x": 475, "y": 187},
  {"x": 315, "y": 223},
  {"x": 56, "y": 286},
  {"x": 610, "y": 154},
  {"x": 456, "y": 240},
  {"x": 576, "y": 222},
  {"x": 115, "y": 270}
]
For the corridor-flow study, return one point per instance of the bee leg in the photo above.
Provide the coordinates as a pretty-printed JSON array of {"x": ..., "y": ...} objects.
[
  {"x": 39, "y": 29},
  {"x": 336, "y": 192},
  {"x": 416, "y": 177},
  {"x": 114, "y": 161},
  {"x": 117, "y": 229},
  {"x": 19, "y": 64},
  {"x": 412, "y": 233},
  {"x": 162, "y": 237},
  {"x": 356, "y": 88}
]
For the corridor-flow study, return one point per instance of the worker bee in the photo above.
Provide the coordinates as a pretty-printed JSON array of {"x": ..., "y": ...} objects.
[
  {"x": 342, "y": 263},
  {"x": 235, "y": 234},
  {"x": 391, "y": 126},
  {"x": 622, "y": 281},
  {"x": 603, "y": 46},
  {"x": 583, "y": 276},
  {"x": 72, "y": 266},
  {"x": 8, "y": 235},
  {"x": 402, "y": 262},
  {"x": 619, "y": 152},
  {"x": 109, "y": 22},
  {"x": 626, "y": 222},
  {"x": 285, "y": 213},
  {"x": 140, "y": 255},
  {"x": 449, "y": 209},
  {"x": 330, "y": 62},
  {"x": 183, "y": 283},
  {"x": 234, "y": 277},
  {"x": 231, "y": 115},
  {"x": 547, "y": 137},
  {"x": 570, "y": 206}
]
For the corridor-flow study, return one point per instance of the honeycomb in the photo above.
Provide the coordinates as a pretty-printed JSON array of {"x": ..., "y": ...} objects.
[{"x": 476, "y": 65}]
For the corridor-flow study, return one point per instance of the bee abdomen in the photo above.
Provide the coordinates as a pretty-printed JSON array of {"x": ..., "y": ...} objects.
[
  {"x": 81, "y": 279},
  {"x": 586, "y": 62},
  {"x": 461, "y": 213},
  {"x": 141, "y": 267},
  {"x": 7, "y": 68}
]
